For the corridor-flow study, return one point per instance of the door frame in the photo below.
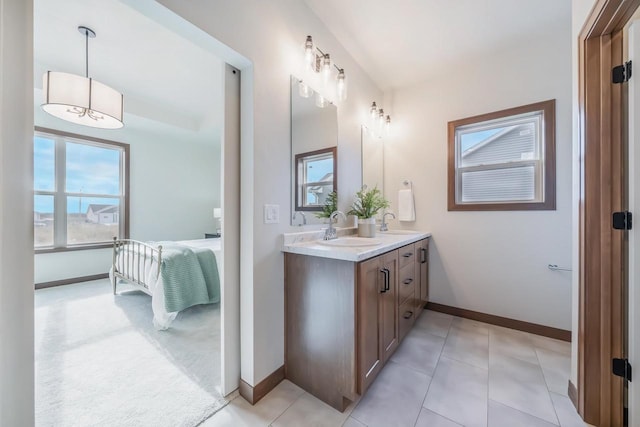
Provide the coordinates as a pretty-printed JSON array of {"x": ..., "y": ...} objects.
[{"x": 603, "y": 173}]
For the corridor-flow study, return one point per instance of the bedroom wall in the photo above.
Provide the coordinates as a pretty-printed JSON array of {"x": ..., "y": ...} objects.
[
  {"x": 271, "y": 36},
  {"x": 175, "y": 184},
  {"x": 501, "y": 268}
]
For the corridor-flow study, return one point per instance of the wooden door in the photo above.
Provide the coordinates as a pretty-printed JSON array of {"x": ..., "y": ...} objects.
[
  {"x": 388, "y": 303},
  {"x": 371, "y": 285}
]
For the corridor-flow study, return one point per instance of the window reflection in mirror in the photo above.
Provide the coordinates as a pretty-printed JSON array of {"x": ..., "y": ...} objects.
[
  {"x": 316, "y": 178},
  {"x": 314, "y": 140}
]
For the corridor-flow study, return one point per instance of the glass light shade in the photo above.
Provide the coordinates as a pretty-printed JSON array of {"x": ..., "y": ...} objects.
[
  {"x": 373, "y": 112},
  {"x": 304, "y": 90},
  {"x": 309, "y": 54},
  {"x": 387, "y": 125},
  {"x": 341, "y": 86},
  {"x": 326, "y": 67},
  {"x": 321, "y": 101},
  {"x": 82, "y": 100},
  {"x": 380, "y": 122}
]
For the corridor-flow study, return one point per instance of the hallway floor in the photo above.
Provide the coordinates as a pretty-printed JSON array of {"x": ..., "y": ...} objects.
[{"x": 448, "y": 372}]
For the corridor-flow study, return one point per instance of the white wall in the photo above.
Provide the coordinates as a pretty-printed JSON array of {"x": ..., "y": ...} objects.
[
  {"x": 491, "y": 262},
  {"x": 271, "y": 35},
  {"x": 16, "y": 207},
  {"x": 579, "y": 11},
  {"x": 175, "y": 184}
]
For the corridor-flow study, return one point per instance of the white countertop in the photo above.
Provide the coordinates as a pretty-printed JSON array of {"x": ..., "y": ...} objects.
[{"x": 307, "y": 243}]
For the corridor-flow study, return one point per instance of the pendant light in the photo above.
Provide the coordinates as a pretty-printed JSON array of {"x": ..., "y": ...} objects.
[{"x": 82, "y": 100}]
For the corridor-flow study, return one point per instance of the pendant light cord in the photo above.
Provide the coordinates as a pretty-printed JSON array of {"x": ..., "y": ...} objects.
[{"x": 86, "y": 49}]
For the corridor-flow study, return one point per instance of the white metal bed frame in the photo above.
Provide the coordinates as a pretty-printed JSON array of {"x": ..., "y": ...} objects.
[{"x": 131, "y": 259}]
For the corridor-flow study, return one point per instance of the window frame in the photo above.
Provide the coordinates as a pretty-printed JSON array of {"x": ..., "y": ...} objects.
[
  {"x": 60, "y": 194},
  {"x": 545, "y": 179},
  {"x": 301, "y": 183}
]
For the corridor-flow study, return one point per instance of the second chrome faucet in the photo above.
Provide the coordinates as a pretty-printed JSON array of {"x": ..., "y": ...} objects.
[{"x": 331, "y": 233}]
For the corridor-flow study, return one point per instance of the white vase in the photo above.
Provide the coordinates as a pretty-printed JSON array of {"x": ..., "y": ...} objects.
[{"x": 367, "y": 227}]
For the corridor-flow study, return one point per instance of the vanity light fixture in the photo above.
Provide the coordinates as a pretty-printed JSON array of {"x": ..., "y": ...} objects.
[
  {"x": 320, "y": 62},
  {"x": 82, "y": 100},
  {"x": 380, "y": 124}
]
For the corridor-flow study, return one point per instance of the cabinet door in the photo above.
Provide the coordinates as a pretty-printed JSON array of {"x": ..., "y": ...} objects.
[
  {"x": 371, "y": 285},
  {"x": 389, "y": 306},
  {"x": 422, "y": 274}
]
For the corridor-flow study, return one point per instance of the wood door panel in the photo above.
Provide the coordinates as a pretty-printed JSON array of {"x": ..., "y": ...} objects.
[{"x": 369, "y": 349}]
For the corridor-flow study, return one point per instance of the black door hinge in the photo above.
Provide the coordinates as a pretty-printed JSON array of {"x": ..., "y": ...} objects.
[
  {"x": 622, "y": 368},
  {"x": 621, "y": 73},
  {"x": 625, "y": 417},
  {"x": 622, "y": 220}
]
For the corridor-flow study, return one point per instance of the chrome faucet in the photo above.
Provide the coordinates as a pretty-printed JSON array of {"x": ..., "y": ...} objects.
[
  {"x": 304, "y": 217},
  {"x": 384, "y": 226},
  {"x": 331, "y": 233}
]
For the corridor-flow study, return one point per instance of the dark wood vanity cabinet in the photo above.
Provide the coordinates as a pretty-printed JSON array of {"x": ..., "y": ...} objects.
[
  {"x": 344, "y": 319},
  {"x": 376, "y": 313}
]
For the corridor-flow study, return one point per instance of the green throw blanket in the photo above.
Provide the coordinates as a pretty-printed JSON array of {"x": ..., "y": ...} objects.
[{"x": 189, "y": 275}]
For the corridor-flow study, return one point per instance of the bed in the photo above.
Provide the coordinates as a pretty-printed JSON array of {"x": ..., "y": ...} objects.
[{"x": 177, "y": 274}]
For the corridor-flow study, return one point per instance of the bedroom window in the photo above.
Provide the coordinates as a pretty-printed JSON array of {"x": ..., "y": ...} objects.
[
  {"x": 503, "y": 160},
  {"x": 80, "y": 191}
]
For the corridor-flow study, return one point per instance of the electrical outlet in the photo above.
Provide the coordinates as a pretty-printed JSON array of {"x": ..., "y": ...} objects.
[{"x": 271, "y": 214}]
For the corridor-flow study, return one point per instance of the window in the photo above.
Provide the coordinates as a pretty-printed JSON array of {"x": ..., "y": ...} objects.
[
  {"x": 316, "y": 178},
  {"x": 504, "y": 160},
  {"x": 80, "y": 191}
]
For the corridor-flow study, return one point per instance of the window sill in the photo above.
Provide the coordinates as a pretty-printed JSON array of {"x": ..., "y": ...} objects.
[{"x": 73, "y": 248}]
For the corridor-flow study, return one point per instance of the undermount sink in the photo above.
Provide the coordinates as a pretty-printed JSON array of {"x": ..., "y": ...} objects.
[
  {"x": 351, "y": 242},
  {"x": 399, "y": 232}
]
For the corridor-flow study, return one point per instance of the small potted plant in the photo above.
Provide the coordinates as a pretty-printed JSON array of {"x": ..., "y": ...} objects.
[
  {"x": 365, "y": 206},
  {"x": 330, "y": 206}
]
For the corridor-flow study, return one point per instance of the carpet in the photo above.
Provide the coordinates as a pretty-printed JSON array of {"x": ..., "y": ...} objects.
[{"x": 100, "y": 362}]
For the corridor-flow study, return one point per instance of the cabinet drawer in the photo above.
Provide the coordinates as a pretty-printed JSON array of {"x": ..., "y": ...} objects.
[
  {"x": 406, "y": 317},
  {"x": 406, "y": 283},
  {"x": 407, "y": 255}
]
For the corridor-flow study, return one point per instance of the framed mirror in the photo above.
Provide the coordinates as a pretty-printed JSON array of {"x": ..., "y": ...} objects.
[
  {"x": 314, "y": 151},
  {"x": 372, "y": 160}
]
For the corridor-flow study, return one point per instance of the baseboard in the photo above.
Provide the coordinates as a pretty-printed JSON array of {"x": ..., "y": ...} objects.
[
  {"x": 533, "y": 328},
  {"x": 573, "y": 394},
  {"x": 44, "y": 285},
  {"x": 254, "y": 394}
]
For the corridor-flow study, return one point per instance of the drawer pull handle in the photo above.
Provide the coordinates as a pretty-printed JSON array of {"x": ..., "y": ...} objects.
[
  {"x": 408, "y": 314},
  {"x": 407, "y": 254},
  {"x": 407, "y": 281},
  {"x": 423, "y": 253},
  {"x": 385, "y": 272}
]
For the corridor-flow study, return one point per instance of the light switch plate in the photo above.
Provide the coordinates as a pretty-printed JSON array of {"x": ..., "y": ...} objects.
[{"x": 271, "y": 214}]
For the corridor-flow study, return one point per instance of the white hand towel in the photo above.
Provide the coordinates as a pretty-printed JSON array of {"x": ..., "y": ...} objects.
[{"x": 406, "y": 206}]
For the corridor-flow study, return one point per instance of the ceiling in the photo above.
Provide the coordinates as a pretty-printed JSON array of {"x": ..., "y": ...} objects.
[
  {"x": 168, "y": 82},
  {"x": 404, "y": 42}
]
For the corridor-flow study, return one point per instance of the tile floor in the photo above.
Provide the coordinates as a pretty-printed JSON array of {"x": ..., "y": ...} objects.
[{"x": 448, "y": 372}]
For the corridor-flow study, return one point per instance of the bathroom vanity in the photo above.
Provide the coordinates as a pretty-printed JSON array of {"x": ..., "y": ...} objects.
[{"x": 348, "y": 307}]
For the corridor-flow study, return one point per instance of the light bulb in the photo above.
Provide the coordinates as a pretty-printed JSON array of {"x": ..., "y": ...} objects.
[
  {"x": 320, "y": 101},
  {"x": 341, "y": 85},
  {"x": 304, "y": 90},
  {"x": 326, "y": 67},
  {"x": 309, "y": 54}
]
